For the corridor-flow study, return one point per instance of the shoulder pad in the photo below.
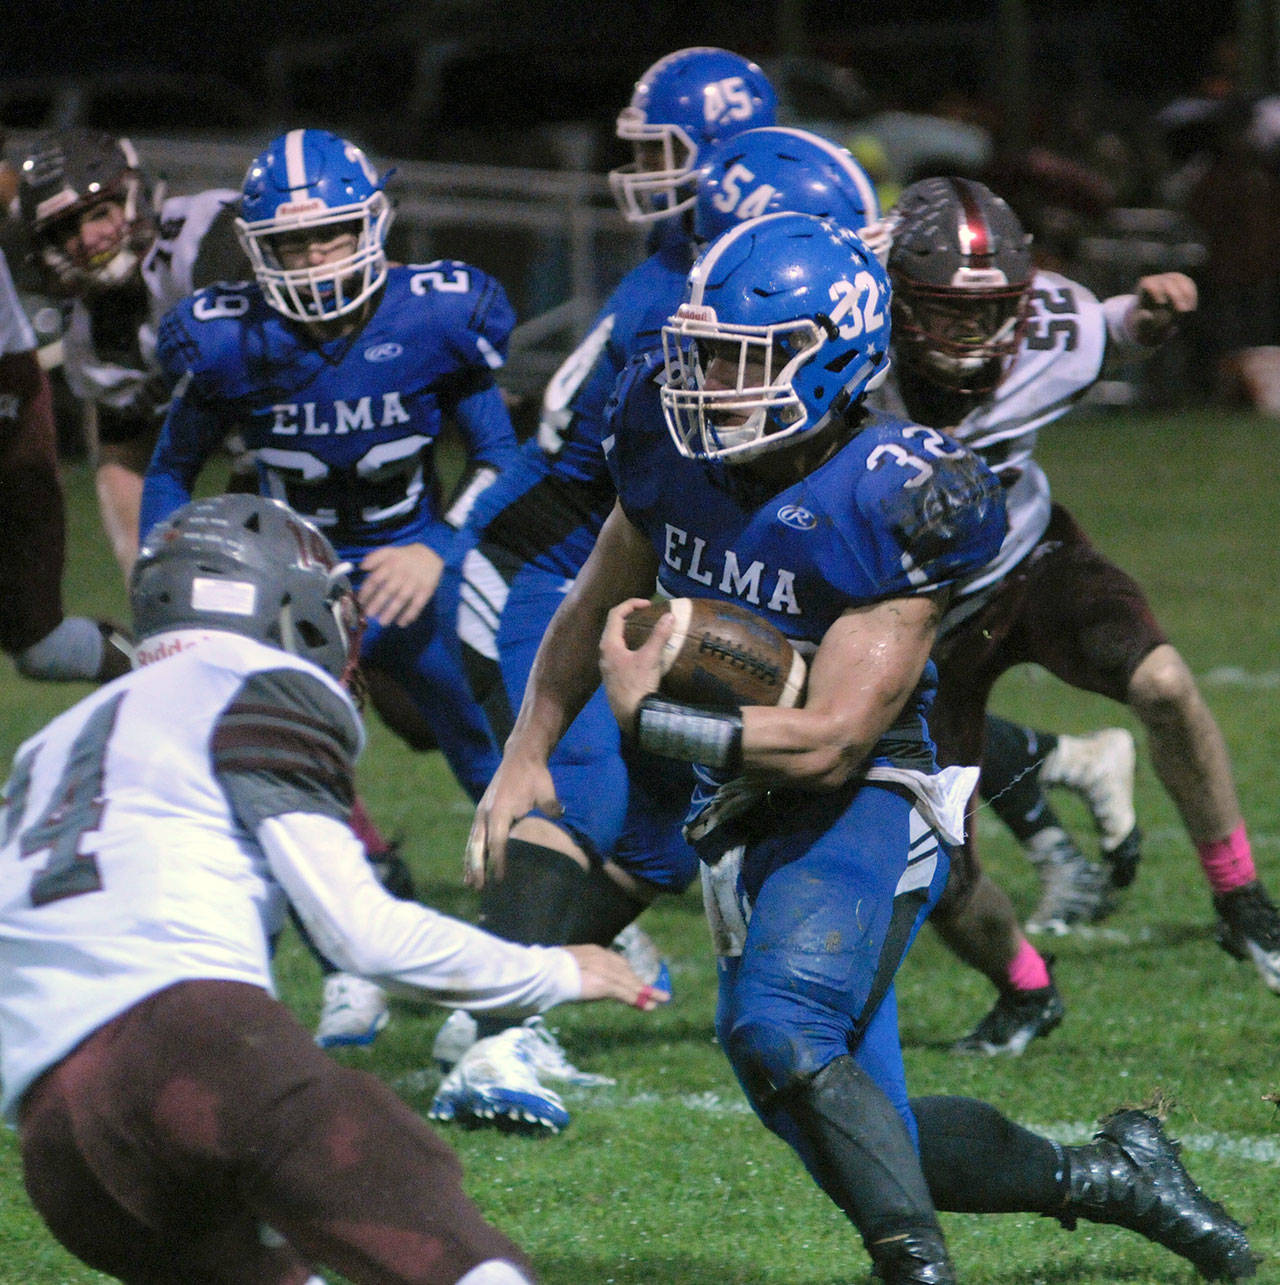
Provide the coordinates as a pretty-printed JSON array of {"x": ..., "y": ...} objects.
[
  {"x": 940, "y": 505},
  {"x": 202, "y": 329},
  {"x": 468, "y": 299}
]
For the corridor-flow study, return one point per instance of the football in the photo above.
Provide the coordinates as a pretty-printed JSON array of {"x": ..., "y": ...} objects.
[{"x": 721, "y": 654}]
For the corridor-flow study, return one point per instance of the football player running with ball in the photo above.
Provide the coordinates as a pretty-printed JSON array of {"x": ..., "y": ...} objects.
[
  {"x": 748, "y": 470},
  {"x": 168, "y": 1107}
]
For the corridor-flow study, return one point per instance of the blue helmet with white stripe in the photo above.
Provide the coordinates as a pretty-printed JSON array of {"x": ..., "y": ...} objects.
[
  {"x": 775, "y": 169},
  {"x": 785, "y": 325},
  {"x": 685, "y": 101},
  {"x": 311, "y": 185}
]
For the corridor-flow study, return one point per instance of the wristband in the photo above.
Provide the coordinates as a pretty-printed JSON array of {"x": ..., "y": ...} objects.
[{"x": 692, "y": 733}]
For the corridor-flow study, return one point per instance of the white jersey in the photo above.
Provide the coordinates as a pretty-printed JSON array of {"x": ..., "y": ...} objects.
[
  {"x": 152, "y": 833},
  {"x": 1059, "y": 359},
  {"x": 117, "y": 370},
  {"x": 16, "y": 334}
]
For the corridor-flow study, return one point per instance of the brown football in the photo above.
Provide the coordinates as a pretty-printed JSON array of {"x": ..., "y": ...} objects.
[{"x": 721, "y": 654}]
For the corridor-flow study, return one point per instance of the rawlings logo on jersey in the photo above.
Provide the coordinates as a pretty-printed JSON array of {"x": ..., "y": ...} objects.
[
  {"x": 799, "y": 519},
  {"x": 756, "y": 583},
  {"x": 319, "y": 419},
  {"x": 383, "y": 352}
]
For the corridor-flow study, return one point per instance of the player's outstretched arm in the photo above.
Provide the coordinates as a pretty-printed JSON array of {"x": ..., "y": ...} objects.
[
  {"x": 565, "y": 672},
  {"x": 417, "y": 951}
]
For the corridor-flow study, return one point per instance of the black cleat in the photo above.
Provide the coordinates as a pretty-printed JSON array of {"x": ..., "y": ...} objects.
[
  {"x": 1249, "y": 928},
  {"x": 1131, "y": 1176},
  {"x": 916, "y": 1258},
  {"x": 1017, "y": 1018}
]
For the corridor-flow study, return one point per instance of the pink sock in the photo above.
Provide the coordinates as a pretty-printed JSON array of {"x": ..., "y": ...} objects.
[
  {"x": 1228, "y": 863},
  {"x": 366, "y": 831},
  {"x": 1027, "y": 969}
]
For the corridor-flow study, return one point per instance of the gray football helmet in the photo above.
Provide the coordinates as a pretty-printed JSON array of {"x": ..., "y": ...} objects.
[
  {"x": 961, "y": 268},
  {"x": 65, "y": 174},
  {"x": 252, "y": 566}
]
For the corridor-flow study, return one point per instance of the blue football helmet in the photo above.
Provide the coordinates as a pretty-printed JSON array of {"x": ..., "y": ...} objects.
[
  {"x": 785, "y": 325},
  {"x": 683, "y": 102},
  {"x": 310, "y": 181},
  {"x": 774, "y": 169}
]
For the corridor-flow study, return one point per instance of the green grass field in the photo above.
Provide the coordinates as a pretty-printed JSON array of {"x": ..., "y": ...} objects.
[{"x": 666, "y": 1178}]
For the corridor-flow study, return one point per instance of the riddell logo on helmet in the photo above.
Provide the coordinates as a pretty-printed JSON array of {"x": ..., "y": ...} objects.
[{"x": 309, "y": 206}]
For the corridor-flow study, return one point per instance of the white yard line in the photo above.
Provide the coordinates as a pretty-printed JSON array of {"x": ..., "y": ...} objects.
[{"x": 1265, "y": 1151}]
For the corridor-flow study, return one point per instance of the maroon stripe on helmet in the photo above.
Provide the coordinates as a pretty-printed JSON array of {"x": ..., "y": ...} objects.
[{"x": 975, "y": 235}]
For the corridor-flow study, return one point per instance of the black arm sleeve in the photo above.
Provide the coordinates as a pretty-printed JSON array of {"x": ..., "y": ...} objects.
[{"x": 285, "y": 743}]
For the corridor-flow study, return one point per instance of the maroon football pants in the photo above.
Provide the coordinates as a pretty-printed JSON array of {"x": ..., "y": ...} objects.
[
  {"x": 201, "y": 1138},
  {"x": 1064, "y": 607}
]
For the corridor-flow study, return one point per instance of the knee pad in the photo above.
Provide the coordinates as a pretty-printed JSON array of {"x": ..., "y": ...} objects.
[
  {"x": 547, "y": 899},
  {"x": 769, "y": 1059}
]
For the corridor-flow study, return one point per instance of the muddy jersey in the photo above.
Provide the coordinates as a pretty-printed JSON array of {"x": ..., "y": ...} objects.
[
  {"x": 342, "y": 429},
  {"x": 1059, "y": 358},
  {"x": 138, "y": 850},
  {"x": 110, "y": 344},
  {"x": 899, "y": 510}
]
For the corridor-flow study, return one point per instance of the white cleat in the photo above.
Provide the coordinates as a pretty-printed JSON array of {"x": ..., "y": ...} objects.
[
  {"x": 495, "y": 1082},
  {"x": 543, "y": 1051},
  {"x": 1099, "y": 767},
  {"x": 547, "y": 1056},
  {"x": 353, "y": 1012}
]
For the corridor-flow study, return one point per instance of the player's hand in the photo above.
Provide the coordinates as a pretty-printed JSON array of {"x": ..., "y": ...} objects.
[
  {"x": 607, "y": 975},
  {"x": 519, "y": 786},
  {"x": 629, "y": 676},
  {"x": 400, "y": 580},
  {"x": 1162, "y": 299}
]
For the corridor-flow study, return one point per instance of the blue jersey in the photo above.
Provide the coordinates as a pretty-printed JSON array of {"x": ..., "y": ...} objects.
[
  {"x": 548, "y": 508},
  {"x": 899, "y": 510},
  {"x": 342, "y": 429}
]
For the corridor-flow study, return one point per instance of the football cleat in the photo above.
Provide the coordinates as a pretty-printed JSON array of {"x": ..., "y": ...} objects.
[
  {"x": 1073, "y": 889},
  {"x": 1131, "y": 1176},
  {"x": 545, "y": 1053},
  {"x": 1017, "y": 1018},
  {"x": 353, "y": 1012},
  {"x": 915, "y": 1258},
  {"x": 547, "y": 1057},
  {"x": 1099, "y": 767},
  {"x": 1249, "y": 928},
  {"x": 494, "y": 1082},
  {"x": 641, "y": 952}
]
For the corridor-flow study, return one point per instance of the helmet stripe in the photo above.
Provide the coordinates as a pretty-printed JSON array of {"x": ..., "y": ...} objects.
[
  {"x": 975, "y": 235},
  {"x": 295, "y": 167}
]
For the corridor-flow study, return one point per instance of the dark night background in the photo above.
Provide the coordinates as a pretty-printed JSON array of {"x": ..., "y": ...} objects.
[{"x": 500, "y": 67}]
